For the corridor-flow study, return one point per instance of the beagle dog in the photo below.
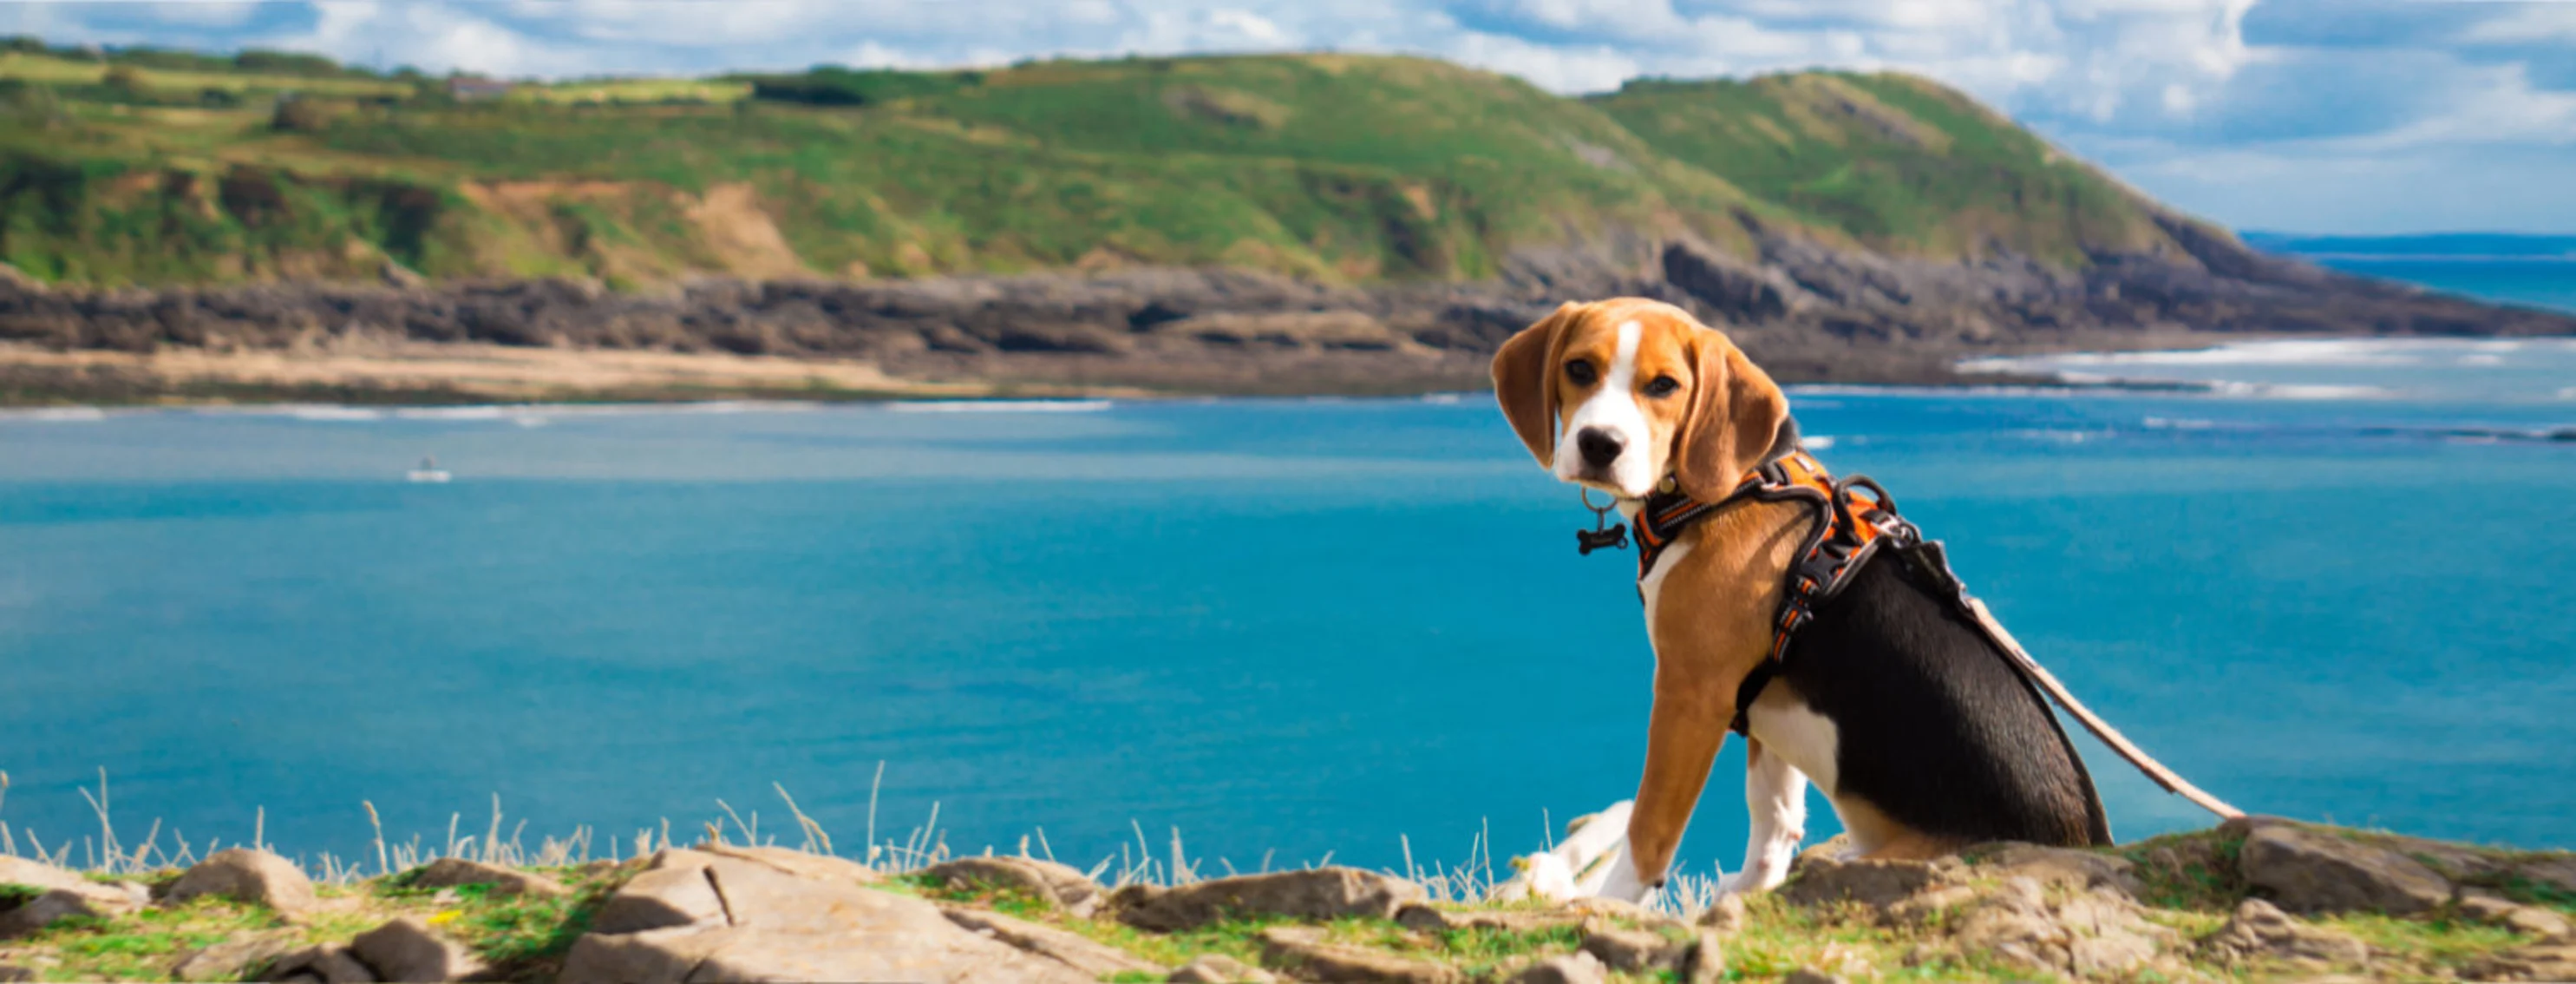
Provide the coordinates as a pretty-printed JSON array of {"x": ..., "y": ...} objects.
[{"x": 1898, "y": 709}]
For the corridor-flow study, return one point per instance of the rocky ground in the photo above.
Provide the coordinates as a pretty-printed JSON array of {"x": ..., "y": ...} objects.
[
  {"x": 1806, "y": 312},
  {"x": 2250, "y": 900}
]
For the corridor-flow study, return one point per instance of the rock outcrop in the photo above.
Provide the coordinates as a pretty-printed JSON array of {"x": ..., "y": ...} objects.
[
  {"x": 1059, "y": 885},
  {"x": 1316, "y": 893},
  {"x": 453, "y": 872},
  {"x": 59, "y": 895},
  {"x": 1805, "y": 311},
  {"x": 247, "y": 875},
  {"x": 701, "y": 917},
  {"x": 2260, "y": 931},
  {"x": 2312, "y": 871}
]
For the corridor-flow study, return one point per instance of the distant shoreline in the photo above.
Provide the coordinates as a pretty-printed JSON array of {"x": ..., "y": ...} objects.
[{"x": 463, "y": 375}]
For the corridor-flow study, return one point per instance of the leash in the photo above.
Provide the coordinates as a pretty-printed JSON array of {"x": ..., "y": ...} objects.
[
  {"x": 2138, "y": 758},
  {"x": 1849, "y": 531}
]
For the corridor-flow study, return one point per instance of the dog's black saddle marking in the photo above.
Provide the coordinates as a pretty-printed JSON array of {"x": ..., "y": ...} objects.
[{"x": 1857, "y": 520}]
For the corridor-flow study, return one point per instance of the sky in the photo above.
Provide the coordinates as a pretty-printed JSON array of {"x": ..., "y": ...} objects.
[{"x": 2316, "y": 116}]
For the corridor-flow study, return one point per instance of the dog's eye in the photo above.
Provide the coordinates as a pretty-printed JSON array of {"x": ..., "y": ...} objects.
[
  {"x": 1662, "y": 386},
  {"x": 1580, "y": 373}
]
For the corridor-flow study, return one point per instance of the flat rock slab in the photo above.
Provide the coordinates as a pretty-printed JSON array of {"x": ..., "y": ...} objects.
[
  {"x": 704, "y": 917},
  {"x": 1635, "y": 951},
  {"x": 1313, "y": 894},
  {"x": 329, "y": 963},
  {"x": 2083, "y": 934},
  {"x": 1300, "y": 951},
  {"x": 2260, "y": 931},
  {"x": 246, "y": 875},
  {"x": 455, "y": 872},
  {"x": 2548, "y": 962},
  {"x": 408, "y": 951},
  {"x": 1423, "y": 917},
  {"x": 798, "y": 863},
  {"x": 2059, "y": 866},
  {"x": 1878, "y": 884},
  {"x": 1060, "y": 885},
  {"x": 1578, "y": 968},
  {"x": 1217, "y": 968},
  {"x": 61, "y": 895},
  {"x": 1071, "y": 949},
  {"x": 232, "y": 960},
  {"x": 2316, "y": 871}
]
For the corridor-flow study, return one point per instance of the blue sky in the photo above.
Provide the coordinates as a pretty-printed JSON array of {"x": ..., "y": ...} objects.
[{"x": 2349, "y": 116}]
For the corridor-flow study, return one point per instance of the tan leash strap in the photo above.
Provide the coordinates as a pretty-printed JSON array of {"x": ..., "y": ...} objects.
[{"x": 2101, "y": 729}]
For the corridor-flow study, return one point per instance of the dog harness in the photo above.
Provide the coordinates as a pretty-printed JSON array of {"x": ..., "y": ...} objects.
[{"x": 1855, "y": 520}]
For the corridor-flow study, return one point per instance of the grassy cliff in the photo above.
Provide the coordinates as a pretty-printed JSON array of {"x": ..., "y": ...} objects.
[{"x": 1353, "y": 169}]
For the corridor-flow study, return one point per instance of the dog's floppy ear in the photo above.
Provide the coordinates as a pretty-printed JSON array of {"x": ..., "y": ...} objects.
[
  {"x": 1523, "y": 383},
  {"x": 1738, "y": 421}
]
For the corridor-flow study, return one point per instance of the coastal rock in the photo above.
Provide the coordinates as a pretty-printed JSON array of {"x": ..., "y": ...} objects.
[
  {"x": 2259, "y": 930},
  {"x": 2083, "y": 934},
  {"x": 676, "y": 894},
  {"x": 1070, "y": 949},
  {"x": 1428, "y": 918},
  {"x": 47, "y": 908},
  {"x": 1060, "y": 885},
  {"x": 2556, "y": 871},
  {"x": 1217, "y": 968},
  {"x": 2546, "y": 962},
  {"x": 1302, "y": 953},
  {"x": 2315, "y": 871},
  {"x": 409, "y": 952},
  {"x": 769, "y": 924},
  {"x": 2059, "y": 866},
  {"x": 1874, "y": 883},
  {"x": 798, "y": 863},
  {"x": 454, "y": 872},
  {"x": 231, "y": 960},
  {"x": 61, "y": 895},
  {"x": 1575, "y": 968},
  {"x": 1635, "y": 951},
  {"x": 329, "y": 963},
  {"x": 246, "y": 875},
  {"x": 2488, "y": 907},
  {"x": 1316, "y": 894},
  {"x": 1726, "y": 915}
]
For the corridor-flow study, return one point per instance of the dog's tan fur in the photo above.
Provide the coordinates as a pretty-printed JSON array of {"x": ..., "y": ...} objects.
[{"x": 1724, "y": 416}]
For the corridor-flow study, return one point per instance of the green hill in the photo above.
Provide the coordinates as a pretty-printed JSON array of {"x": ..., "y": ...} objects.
[{"x": 1329, "y": 167}]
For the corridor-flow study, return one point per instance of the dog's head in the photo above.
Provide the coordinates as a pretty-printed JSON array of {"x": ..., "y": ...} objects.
[{"x": 1639, "y": 390}]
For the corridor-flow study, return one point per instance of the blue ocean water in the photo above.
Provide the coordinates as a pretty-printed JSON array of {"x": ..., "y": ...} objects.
[{"x": 1287, "y": 629}]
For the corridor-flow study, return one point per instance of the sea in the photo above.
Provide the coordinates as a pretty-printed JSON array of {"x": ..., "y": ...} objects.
[{"x": 2333, "y": 580}]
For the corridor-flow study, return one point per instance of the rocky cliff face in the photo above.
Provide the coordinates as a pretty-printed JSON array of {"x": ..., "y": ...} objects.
[{"x": 1808, "y": 312}]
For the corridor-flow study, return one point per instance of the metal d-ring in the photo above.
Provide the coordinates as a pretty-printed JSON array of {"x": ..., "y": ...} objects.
[{"x": 1584, "y": 492}]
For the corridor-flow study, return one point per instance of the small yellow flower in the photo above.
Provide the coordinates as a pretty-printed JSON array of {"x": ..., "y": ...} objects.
[{"x": 445, "y": 917}]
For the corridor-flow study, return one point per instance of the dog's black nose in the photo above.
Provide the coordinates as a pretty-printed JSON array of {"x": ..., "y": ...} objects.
[{"x": 1599, "y": 447}]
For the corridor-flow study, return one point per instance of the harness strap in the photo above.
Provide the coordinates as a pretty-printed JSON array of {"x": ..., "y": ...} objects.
[{"x": 1850, "y": 528}]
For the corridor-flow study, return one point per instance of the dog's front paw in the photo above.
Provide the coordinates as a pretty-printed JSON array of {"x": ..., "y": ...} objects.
[{"x": 1623, "y": 882}]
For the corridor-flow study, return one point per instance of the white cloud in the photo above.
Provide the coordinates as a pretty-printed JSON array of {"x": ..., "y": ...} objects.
[
  {"x": 1564, "y": 69},
  {"x": 2173, "y": 92},
  {"x": 2526, "y": 23}
]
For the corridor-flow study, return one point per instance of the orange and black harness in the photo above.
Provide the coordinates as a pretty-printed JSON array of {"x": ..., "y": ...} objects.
[
  {"x": 1855, "y": 517},
  {"x": 1855, "y": 520}
]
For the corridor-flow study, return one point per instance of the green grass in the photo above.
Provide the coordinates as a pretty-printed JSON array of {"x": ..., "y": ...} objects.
[{"x": 1334, "y": 167}]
